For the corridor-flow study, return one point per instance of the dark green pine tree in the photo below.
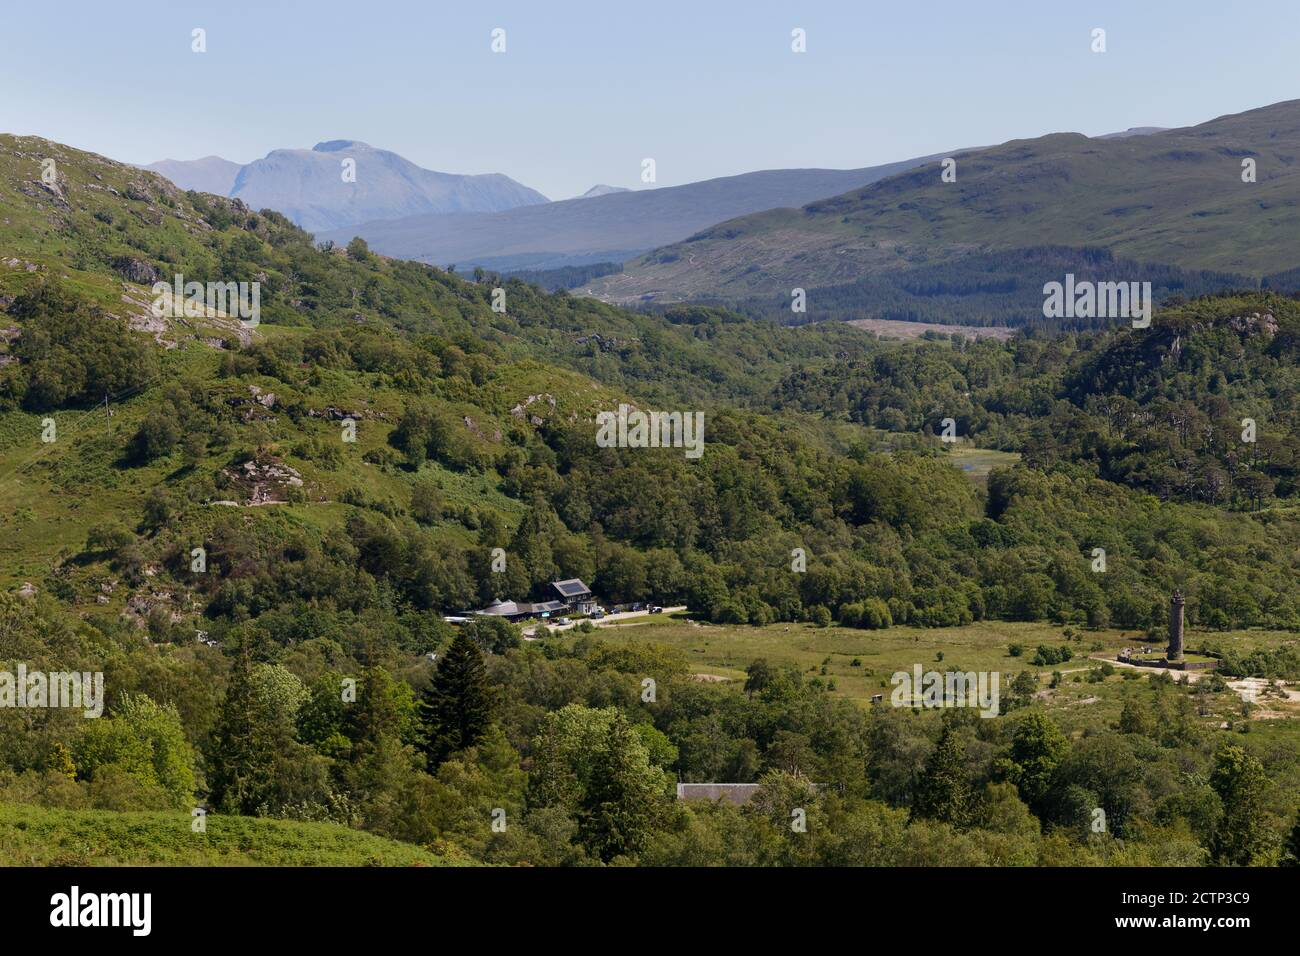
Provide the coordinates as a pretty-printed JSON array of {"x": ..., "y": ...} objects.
[
  {"x": 456, "y": 710},
  {"x": 240, "y": 759},
  {"x": 944, "y": 793}
]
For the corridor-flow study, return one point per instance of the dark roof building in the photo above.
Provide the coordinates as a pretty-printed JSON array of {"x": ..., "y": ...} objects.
[
  {"x": 736, "y": 794},
  {"x": 733, "y": 793},
  {"x": 514, "y": 610},
  {"x": 505, "y": 609},
  {"x": 571, "y": 590}
]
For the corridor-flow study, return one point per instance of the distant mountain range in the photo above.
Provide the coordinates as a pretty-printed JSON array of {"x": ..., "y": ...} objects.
[
  {"x": 600, "y": 189},
  {"x": 1133, "y": 131},
  {"x": 309, "y": 187},
  {"x": 211, "y": 174},
  {"x": 912, "y": 245},
  {"x": 611, "y": 227}
]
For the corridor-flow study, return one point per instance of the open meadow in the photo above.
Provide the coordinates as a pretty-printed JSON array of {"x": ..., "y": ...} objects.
[{"x": 858, "y": 664}]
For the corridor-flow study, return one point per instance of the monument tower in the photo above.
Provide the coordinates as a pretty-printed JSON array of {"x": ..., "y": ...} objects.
[{"x": 1176, "y": 603}]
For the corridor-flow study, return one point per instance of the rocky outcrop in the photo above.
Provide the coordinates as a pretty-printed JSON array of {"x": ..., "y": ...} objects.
[
  {"x": 136, "y": 270},
  {"x": 1254, "y": 324},
  {"x": 520, "y": 410},
  {"x": 604, "y": 343},
  {"x": 263, "y": 480}
]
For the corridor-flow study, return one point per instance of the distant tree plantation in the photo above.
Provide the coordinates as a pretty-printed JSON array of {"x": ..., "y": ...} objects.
[{"x": 995, "y": 288}]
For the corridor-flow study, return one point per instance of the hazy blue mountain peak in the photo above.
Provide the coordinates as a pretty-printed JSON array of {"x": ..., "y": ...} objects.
[{"x": 335, "y": 145}]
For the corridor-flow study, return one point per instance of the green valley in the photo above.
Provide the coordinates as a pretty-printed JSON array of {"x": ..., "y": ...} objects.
[{"x": 271, "y": 537}]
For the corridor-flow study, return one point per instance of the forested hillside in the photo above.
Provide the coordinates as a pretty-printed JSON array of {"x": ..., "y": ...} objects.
[
  {"x": 1164, "y": 409},
  {"x": 129, "y": 442}
]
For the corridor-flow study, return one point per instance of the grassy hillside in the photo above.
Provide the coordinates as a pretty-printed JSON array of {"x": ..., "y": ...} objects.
[
  {"x": 36, "y": 836},
  {"x": 1170, "y": 207}
]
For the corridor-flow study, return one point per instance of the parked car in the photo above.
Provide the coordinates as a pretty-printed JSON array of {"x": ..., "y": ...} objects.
[
  {"x": 656, "y": 610},
  {"x": 564, "y": 620}
]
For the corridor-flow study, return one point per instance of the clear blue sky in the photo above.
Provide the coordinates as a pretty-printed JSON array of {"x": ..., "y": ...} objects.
[{"x": 586, "y": 90}]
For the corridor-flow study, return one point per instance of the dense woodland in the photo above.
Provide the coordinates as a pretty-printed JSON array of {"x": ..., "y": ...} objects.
[
  {"x": 820, "y": 438},
  {"x": 565, "y": 277}
]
